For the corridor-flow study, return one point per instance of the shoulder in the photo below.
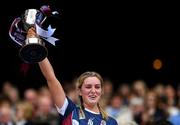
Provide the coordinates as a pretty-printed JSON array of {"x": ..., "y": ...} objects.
[{"x": 112, "y": 121}]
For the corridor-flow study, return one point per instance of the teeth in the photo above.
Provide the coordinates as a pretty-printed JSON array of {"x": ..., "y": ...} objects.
[{"x": 93, "y": 96}]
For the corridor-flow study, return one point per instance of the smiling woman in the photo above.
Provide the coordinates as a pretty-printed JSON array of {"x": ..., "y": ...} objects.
[{"x": 90, "y": 86}]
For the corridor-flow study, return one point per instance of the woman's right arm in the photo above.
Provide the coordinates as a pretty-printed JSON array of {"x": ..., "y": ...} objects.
[{"x": 54, "y": 85}]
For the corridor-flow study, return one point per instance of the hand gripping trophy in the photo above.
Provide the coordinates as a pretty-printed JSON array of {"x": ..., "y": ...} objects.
[{"x": 32, "y": 44}]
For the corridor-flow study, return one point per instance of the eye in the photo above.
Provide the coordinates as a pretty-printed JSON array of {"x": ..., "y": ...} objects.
[
  {"x": 98, "y": 87},
  {"x": 88, "y": 87}
]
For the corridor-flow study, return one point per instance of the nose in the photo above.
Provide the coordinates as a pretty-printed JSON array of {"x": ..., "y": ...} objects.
[{"x": 93, "y": 89}]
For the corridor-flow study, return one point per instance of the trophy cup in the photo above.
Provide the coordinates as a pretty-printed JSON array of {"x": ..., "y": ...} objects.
[{"x": 33, "y": 48}]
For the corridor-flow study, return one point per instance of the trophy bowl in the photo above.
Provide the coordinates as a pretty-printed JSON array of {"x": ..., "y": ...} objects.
[{"x": 33, "y": 51}]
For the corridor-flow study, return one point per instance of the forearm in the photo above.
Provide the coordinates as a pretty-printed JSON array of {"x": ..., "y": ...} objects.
[{"x": 54, "y": 85}]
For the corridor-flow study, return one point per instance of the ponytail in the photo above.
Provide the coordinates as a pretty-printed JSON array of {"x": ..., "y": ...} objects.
[
  {"x": 103, "y": 113},
  {"x": 81, "y": 112}
]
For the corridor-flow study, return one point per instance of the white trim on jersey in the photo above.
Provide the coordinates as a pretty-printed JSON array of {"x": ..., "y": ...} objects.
[{"x": 63, "y": 108}]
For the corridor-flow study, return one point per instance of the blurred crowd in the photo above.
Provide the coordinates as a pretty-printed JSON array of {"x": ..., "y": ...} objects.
[
  {"x": 130, "y": 104},
  {"x": 34, "y": 107}
]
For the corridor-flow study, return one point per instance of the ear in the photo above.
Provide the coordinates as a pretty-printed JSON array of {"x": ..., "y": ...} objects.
[
  {"x": 102, "y": 92},
  {"x": 79, "y": 92}
]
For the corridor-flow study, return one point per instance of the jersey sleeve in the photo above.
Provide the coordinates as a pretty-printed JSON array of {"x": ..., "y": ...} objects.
[{"x": 66, "y": 109}]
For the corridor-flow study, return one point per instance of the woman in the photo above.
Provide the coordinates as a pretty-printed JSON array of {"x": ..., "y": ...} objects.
[{"x": 90, "y": 88}]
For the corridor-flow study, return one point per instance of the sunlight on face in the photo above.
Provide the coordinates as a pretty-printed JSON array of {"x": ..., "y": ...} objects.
[{"x": 91, "y": 91}]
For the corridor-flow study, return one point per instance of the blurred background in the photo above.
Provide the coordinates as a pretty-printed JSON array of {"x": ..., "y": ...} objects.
[{"x": 124, "y": 42}]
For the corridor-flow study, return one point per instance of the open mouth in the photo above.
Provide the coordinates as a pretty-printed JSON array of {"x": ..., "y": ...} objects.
[{"x": 92, "y": 97}]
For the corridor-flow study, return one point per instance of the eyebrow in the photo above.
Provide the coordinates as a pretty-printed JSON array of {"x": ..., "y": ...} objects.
[{"x": 93, "y": 84}]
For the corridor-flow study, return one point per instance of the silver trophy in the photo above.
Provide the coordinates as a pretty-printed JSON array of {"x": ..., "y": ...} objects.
[{"x": 33, "y": 48}]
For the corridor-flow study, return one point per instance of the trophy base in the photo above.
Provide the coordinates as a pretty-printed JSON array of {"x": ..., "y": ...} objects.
[{"x": 33, "y": 53}]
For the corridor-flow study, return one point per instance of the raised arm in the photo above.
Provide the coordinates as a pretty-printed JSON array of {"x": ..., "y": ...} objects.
[{"x": 54, "y": 85}]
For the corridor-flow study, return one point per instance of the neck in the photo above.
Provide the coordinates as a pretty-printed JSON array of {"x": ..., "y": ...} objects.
[{"x": 93, "y": 108}]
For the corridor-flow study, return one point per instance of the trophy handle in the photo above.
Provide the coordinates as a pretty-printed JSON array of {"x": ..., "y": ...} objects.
[{"x": 30, "y": 34}]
